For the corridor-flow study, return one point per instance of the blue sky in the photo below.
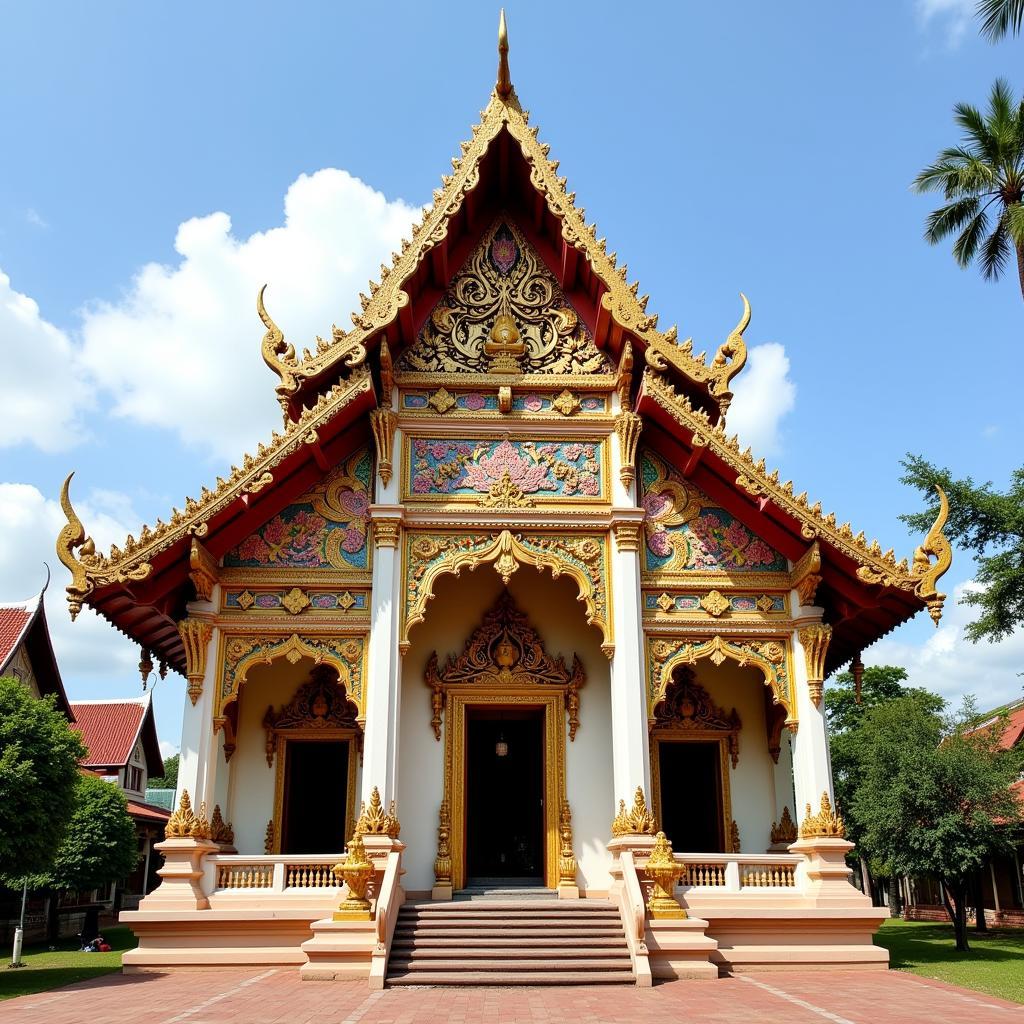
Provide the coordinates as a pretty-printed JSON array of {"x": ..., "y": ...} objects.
[{"x": 767, "y": 148}]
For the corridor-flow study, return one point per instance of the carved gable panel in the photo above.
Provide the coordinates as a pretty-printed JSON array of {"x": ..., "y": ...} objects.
[
  {"x": 686, "y": 532},
  {"x": 326, "y": 528},
  {"x": 504, "y": 313}
]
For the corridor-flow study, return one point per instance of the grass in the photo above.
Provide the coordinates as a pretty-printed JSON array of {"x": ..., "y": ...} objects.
[
  {"x": 50, "y": 969},
  {"x": 995, "y": 963}
]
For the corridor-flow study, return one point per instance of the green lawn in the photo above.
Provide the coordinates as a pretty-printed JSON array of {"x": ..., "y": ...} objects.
[
  {"x": 64, "y": 965},
  {"x": 995, "y": 963}
]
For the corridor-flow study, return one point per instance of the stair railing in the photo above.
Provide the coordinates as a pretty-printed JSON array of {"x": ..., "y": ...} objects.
[
  {"x": 633, "y": 912},
  {"x": 390, "y": 898}
]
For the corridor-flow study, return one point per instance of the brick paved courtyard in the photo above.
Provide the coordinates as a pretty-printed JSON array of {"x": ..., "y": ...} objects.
[{"x": 278, "y": 997}]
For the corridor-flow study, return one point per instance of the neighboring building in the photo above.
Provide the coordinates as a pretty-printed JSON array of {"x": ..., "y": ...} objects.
[
  {"x": 121, "y": 738},
  {"x": 1002, "y": 881},
  {"x": 26, "y": 652},
  {"x": 505, "y": 574}
]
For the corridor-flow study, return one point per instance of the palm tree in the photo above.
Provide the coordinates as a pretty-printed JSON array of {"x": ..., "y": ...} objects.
[
  {"x": 999, "y": 17},
  {"x": 982, "y": 180}
]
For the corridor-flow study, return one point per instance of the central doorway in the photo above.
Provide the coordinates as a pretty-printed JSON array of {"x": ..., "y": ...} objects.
[
  {"x": 315, "y": 796},
  {"x": 690, "y": 794},
  {"x": 505, "y": 794}
]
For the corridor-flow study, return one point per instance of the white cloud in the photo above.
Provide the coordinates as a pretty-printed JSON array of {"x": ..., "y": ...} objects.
[
  {"x": 764, "y": 394},
  {"x": 35, "y": 219},
  {"x": 954, "y": 15},
  {"x": 950, "y": 665},
  {"x": 168, "y": 749},
  {"x": 181, "y": 350},
  {"x": 45, "y": 390}
]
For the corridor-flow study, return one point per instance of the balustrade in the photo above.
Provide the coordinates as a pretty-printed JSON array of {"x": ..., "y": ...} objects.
[
  {"x": 276, "y": 874},
  {"x": 736, "y": 872}
]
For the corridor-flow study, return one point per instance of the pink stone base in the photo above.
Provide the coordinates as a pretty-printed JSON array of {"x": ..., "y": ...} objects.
[
  {"x": 338, "y": 950},
  {"x": 681, "y": 949}
]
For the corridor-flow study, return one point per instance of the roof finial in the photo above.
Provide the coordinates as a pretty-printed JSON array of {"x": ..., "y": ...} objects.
[{"x": 504, "y": 83}]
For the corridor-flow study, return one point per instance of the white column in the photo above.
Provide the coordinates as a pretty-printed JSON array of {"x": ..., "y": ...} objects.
[
  {"x": 384, "y": 667},
  {"x": 631, "y": 765},
  {"x": 197, "y": 740},
  {"x": 812, "y": 772}
]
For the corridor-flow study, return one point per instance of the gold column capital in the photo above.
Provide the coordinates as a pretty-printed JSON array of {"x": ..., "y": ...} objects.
[
  {"x": 387, "y": 525},
  {"x": 815, "y": 640},
  {"x": 195, "y": 637}
]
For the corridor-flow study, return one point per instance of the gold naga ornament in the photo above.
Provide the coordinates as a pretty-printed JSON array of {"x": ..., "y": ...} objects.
[
  {"x": 356, "y": 871},
  {"x": 374, "y": 822},
  {"x": 826, "y": 824},
  {"x": 637, "y": 821},
  {"x": 184, "y": 823},
  {"x": 664, "y": 872},
  {"x": 785, "y": 830}
]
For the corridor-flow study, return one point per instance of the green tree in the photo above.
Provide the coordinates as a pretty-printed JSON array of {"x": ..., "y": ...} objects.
[
  {"x": 849, "y": 747},
  {"x": 169, "y": 779},
  {"x": 39, "y": 756},
  {"x": 99, "y": 845},
  {"x": 999, "y": 17},
  {"x": 982, "y": 181},
  {"x": 989, "y": 523},
  {"x": 935, "y": 796}
]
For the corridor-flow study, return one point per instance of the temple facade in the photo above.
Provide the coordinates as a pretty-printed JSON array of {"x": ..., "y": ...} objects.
[{"x": 503, "y": 609}]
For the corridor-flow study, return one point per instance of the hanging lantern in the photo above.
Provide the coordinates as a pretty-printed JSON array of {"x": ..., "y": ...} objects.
[
  {"x": 501, "y": 747},
  {"x": 145, "y": 667},
  {"x": 858, "y": 676}
]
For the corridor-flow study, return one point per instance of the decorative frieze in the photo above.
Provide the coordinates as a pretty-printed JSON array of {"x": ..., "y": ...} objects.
[
  {"x": 317, "y": 601},
  {"x": 526, "y": 403},
  {"x": 698, "y": 605}
]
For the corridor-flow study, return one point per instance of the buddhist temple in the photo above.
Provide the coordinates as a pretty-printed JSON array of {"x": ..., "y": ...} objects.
[{"x": 503, "y": 633}]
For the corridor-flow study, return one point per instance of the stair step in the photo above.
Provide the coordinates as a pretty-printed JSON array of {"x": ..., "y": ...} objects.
[
  {"x": 545, "y": 953},
  {"x": 523, "y": 906},
  {"x": 554, "y": 946},
  {"x": 499, "y": 932},
  {"x": 462, "y": 977},
  {"x": 592, "y": 964},
  {"x": 577, "y": 920}
]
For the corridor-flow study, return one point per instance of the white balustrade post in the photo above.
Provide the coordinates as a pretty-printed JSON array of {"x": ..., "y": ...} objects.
[
  {"x": 732, "y": 876},
  {"x": 383, "y": 685},
  {"x": 197, "y": 766}
]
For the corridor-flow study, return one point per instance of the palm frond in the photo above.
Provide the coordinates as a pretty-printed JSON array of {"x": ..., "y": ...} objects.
[
  {"x": 1015, "y": 223},
  {"x": 995, "y": 252},
  {"x": 999, "y": 17},
  {"x": 976, "y": 128},
  {"x": 947, "y": 219},
  {"x": 966, "y": 246}
]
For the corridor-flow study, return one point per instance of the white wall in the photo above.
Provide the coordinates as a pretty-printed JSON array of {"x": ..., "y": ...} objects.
[{"x": 457, "y": 608}]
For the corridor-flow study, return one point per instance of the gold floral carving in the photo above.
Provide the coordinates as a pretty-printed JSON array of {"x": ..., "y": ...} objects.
[
  {"x": 506, "y": 494},
  {"x": 355, "y": 871},
  {"x": 734, "y": 837},
  {"x": 374, "y": 822},
  {"x": 785, "y": 831},
  {"x": 714, "y": 604},
  {"x": 386, "y": 532},
  {"x": 580, "y": 556},
  {"x": 203, "y": 570},
  {"x": 664, "y": 654},
  {"x": 195, "y": 638},
  {"x": 221, "y": 831},
  {"x": 566, "y": 859},
  {"x": 637, "y": 821},
  {"x": 814, "y": 640},
  {"x": 687, "y": 707},
  {"x": 505, "y": 399},
  {"x": 628, "y": 426},
  {"x": 566, "y": 403},
  {"x": 806, "y": 575},
  {"x": 130, "y": 563},
  {"x": 505, "y": 651},
  {"x": 295, "y": 601},
  {"x": 665, "y": 603},
  {"x": 506, "y": 318},
  {"x": 246, "y": 599},
  {"x": 384, "y": 422},
  {"x": 443, "y": 861},
  {"x": 387, "y": 374},
  {"x": 730, "y": 358},
  {"x": 826, "y": 824},
  {"x": 184, "y": 823},
  {"x": 441, "y": 401},
  {"x": 269, "y": 841},
  {"x": 764, "y": 604},
  {"x": 627, "y": 535},
  {"x": 663, "y": 870}
]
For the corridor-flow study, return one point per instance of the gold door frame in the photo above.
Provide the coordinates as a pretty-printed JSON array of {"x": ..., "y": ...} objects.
[
  {"x": 281, "y": 741},
  {"x": 660, "y": 736},
  {"x": 457, "y": 701}
]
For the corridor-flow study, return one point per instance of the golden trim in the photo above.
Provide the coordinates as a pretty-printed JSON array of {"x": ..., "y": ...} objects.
[
  {"x": 204, "y": 570},
  {"x": 383, "y": 422},
  {"x": 659, "y": 736},
  {"x": 281, "y": 741},
  {"x": 457, "y": 701},
  {"x": 195, "y": 637},
  {"x": 814, "y": 640}
]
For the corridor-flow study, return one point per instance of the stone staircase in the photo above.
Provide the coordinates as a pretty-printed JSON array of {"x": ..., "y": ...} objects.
[{"x": 491, "y": 936}]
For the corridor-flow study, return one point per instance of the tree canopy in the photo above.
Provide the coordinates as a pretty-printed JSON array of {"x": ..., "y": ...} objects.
[
  {"x": 982, "y": 181},
  {"x": 39, "y": 756},
  {"x": 99, "y": 845},
  {"x": 935, "y": 795},
  {"x": 988, "y": 522},
  {"x": 169, "y": 779}
]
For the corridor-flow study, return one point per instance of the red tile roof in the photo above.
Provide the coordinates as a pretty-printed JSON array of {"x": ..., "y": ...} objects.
[
  {"x": 13, "y": 620},
  {"x": 1014, "y": 731},
  {"x": 148, "y": 812},
  {"x": 109, "y": 729}
]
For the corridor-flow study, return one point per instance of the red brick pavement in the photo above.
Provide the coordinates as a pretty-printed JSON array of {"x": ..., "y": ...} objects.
[{"x": 278, "y": 997}]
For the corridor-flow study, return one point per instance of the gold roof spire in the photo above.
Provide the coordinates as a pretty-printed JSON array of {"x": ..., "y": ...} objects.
[{"x": 504, "y": 83}]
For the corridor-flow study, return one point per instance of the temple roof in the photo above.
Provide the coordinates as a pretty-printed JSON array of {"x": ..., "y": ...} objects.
[
  {"x": 503, "y": 171},
  {"x": 110, "y": 730},
  {"x": 24, "y": 623}
]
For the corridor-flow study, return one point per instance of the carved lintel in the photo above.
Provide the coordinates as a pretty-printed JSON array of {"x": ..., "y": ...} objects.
[
  {"x": 687, "y": 707},
  {"x": 383, "y": 421},
  {"x": 195, "y": 637},
  {"x": 203, "y": 570},
  {"x": 628, "y": 426},
  {"x": 814, "y": 640}
]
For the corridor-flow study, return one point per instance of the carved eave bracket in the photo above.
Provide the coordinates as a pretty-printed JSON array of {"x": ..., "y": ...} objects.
[
  {"x": 505, "y": 651},
  {"x": 88, "y": 569},
  {"x": 203, "y": 570},
  {"x": 806, "y": 575}
]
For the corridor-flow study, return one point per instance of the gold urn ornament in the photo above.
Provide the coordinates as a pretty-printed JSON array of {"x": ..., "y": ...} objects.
[
  {"x": 355, "y": 870},
  {"x": 664, "y": 873}
]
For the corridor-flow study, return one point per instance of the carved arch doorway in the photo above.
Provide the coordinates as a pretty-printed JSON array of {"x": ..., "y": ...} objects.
[{"x": 504, "y": 668}]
